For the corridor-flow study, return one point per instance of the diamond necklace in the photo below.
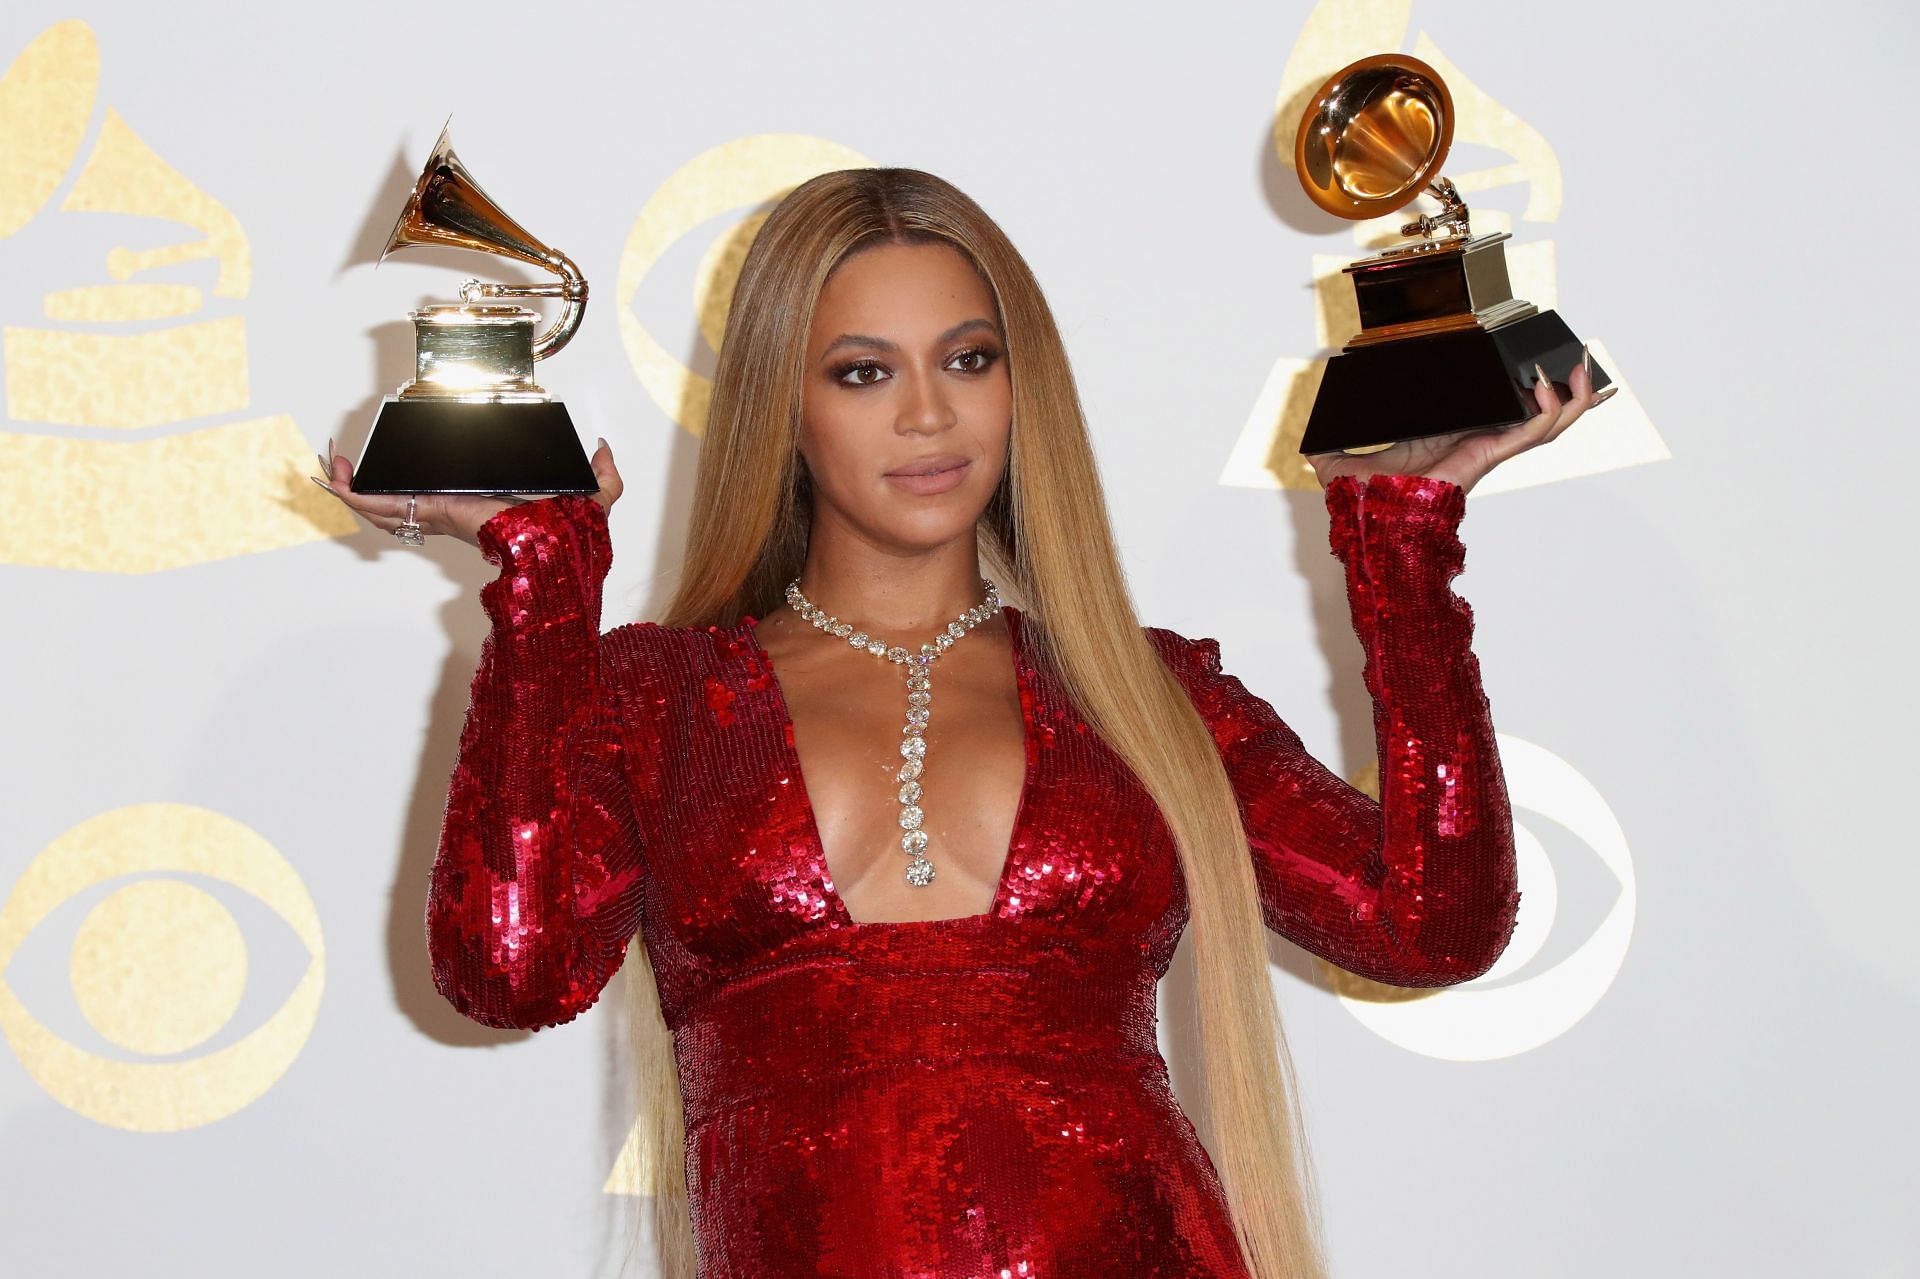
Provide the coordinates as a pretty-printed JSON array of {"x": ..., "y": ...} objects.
[{"x": 913, "y": 742}]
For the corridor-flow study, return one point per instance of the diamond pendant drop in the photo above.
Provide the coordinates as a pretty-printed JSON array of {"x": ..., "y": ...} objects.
[
  {"x": 913, "y": 742},
  {"x": 914, "y": 746}
]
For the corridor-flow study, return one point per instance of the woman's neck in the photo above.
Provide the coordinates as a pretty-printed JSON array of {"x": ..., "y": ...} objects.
[{"x": 891, "y": 591}]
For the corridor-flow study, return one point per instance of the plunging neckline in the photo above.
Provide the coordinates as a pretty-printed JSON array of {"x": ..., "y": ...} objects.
[{"x": 836, "y": 904}]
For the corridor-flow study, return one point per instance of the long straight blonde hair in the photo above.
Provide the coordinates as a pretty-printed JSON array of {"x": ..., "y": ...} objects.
[{"x": 1045, "y": 534}]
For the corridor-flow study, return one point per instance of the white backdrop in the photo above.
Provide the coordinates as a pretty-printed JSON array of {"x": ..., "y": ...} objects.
[{"x": 229, "y": 716}]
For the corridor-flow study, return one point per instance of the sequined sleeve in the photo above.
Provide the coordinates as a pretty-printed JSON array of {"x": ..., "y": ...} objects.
[
  {"x": 1418, "y": 888},
  {"x": 534, "y": 892}
]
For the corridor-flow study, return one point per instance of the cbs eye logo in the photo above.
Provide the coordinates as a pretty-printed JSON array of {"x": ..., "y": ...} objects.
[
  {"x": 1510, "y": 1010},
  {"x": 158, "y": 966},
  {"x": 745, "y": 172}
]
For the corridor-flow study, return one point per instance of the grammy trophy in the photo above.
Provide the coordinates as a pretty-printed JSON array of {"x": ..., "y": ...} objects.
[
  {"x": 1443, "y": 344},
  {"x": 472, "y": 419}
]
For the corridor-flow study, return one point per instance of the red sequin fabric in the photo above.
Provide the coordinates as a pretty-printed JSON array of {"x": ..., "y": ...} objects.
[{"x": 975, "y": 1096}]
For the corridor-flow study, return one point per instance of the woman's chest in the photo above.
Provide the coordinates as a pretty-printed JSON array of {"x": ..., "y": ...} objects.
[{"x": 734, "y": 848}]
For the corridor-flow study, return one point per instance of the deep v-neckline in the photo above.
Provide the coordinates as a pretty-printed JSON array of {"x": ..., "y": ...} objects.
[{"x": 816, "y": 845}]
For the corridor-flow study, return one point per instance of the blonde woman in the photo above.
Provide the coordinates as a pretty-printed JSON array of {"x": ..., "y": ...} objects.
[{"x": 907, "y": 860}]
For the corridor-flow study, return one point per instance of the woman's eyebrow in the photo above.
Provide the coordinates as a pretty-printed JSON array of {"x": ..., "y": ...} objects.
[{"x": 882, "y": 344}]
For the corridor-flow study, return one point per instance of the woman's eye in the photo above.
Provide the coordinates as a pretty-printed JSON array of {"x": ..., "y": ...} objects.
[
  {"x": 982, "y": 357},
  {"x": 854, "y": 371}
]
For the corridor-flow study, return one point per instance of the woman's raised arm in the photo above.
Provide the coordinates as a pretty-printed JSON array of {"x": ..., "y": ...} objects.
[
  {"x": 1418, "y": 888},
  {"x": 535, "y": 888}
]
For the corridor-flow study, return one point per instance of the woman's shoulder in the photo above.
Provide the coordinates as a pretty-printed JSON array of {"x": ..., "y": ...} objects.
[
  {"x": 1197, "y": 655},
  {"x": 670, "y": 671},
  {"x": 655, "y": 642}
]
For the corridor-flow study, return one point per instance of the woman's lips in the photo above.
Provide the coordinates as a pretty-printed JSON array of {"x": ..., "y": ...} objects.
[{"x": 938, "y": 482}]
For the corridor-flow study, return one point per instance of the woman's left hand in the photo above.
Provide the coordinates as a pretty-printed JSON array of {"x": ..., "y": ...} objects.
[{"x": 1463, "y": 457}]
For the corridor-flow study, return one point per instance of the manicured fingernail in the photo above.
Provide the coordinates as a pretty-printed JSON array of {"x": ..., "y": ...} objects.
[
  {"x": 1605, "y": 395},
  {"x": 1586, "y": 362},
  {"x": 322, "y": 483},
  {"x": 1540, "y": 373},
  {"x": 329, "y": 447},
  {"x": 323, "y": 463},
  {"x": 603, "y": 442}
]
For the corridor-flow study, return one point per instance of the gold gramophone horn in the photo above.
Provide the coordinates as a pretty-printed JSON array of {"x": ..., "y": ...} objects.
[
  {"x": 1374, "y": 137},
  {"x": 448, "y": 207}
]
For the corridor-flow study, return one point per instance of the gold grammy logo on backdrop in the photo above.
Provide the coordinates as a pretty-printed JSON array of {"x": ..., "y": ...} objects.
[
  {"x": 1267, "y": 453},
  {"x": 158, "y": 966},
  {"x": 130, "y": 357}
]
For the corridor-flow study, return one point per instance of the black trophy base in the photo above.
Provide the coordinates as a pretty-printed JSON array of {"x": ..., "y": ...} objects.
[
  {"x": 1462, "y": 381},
  {"x": 447, "y": 446}
]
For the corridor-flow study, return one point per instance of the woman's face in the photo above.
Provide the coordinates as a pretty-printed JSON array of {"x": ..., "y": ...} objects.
[{"x": 906, "y": 371}]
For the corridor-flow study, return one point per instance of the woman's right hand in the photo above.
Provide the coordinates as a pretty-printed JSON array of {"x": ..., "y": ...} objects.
[{"x": 452, "y": 514}]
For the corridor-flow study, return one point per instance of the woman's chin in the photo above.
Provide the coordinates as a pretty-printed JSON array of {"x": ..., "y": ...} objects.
[{"x": 925, "y": 526}]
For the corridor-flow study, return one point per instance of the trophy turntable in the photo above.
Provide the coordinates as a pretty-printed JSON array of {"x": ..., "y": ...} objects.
[
  {"x": 472, "y": 419},
  {"x": 1443, "y": 343}
]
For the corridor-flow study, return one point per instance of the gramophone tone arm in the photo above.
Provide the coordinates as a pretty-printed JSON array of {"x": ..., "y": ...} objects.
[
  {"x": 1452, "y": 215},
  {"x": 474, "y": 290},
  {"x": 572, "y": 286}
]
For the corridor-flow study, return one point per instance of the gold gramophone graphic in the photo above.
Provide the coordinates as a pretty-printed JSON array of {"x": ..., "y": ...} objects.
[
  {"x": 147, "y": 348},
  {"x": 472, "y": 419},
  {"x": 1443, "y": 344}
]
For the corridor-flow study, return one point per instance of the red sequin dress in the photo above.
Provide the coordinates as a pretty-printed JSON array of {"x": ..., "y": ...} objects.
[{"x": 975, "y": 1096}]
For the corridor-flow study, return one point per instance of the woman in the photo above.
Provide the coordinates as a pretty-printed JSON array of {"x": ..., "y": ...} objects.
[{"x": 910, "y": 987}]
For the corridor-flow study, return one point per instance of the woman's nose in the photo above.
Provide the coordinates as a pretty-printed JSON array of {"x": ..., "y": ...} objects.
[{"x": 927, "y": 406}]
